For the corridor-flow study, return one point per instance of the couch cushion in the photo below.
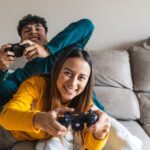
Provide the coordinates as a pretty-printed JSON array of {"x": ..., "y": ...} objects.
[
  {"x": 144, "y": 100},
  {"x": 18, "y": 63},
  {"x": 140, "y": 64},
  {"x": 147, "y": 128},
  {"x": 118, "y": 102},
  {"x": 138, "y": 131},
  {"x": 112, "y": 68},
  {"x": 121, "y": 139}
]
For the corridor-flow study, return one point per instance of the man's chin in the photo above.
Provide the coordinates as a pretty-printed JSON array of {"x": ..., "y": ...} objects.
[{"x": 36, "y": 41}]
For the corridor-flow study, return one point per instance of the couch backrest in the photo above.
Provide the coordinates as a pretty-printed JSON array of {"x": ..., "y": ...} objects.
[
  {"x": 19, "y": 63},
  {"x": 122, "y": 83},
  {"x": 140, "y": 64},
  {"x": 113, "y": 83}
]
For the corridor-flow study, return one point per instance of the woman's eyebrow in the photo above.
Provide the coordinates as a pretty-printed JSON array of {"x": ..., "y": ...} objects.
[
  {"x": 85, "y": 75},
  {"x": 68, "y": 69}
]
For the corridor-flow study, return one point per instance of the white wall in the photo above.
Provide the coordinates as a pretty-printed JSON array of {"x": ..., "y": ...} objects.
[{"x": 118, "y": 23}]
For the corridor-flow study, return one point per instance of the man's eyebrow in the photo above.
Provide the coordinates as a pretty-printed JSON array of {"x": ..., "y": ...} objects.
[
  {"x": 26, "y": 27},
  {"x": 37, "y": 25}
]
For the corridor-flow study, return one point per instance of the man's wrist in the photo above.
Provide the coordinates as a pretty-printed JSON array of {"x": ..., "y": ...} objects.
[{"x": 47, "y": 49}]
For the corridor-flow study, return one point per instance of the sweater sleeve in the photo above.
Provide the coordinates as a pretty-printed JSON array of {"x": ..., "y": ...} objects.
[
  {"x": 18, "y": 113},
  {"x": 93, "y": 144},
  {"x": 77, "y": 33}
]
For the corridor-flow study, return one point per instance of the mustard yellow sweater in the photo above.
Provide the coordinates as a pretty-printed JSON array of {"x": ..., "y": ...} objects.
[{"x": 17, "y": 116}]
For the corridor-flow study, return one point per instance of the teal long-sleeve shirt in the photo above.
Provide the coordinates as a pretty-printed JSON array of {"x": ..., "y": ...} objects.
[{"x": 77, "y": 33}]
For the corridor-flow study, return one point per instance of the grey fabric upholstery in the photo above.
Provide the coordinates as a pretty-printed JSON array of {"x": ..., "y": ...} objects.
[
  {"x": 147, "y": 128},
  {"x": 19, "y": 63},
  {"x": 122, "y": 85},
  {"x": 119, "y": 101},
  {"x": 144, "y": 100},
  {"x": 140, "y": 64},
  {"x": 136, "y": 129},
  {"x": 112, "y": 68}
]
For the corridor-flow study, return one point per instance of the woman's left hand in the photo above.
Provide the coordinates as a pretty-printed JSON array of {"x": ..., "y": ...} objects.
[{"x": 101, "y": 128}]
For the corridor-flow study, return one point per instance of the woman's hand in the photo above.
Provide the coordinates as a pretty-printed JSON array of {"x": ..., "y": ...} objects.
[
  {"x": 102, "y": 126},
  {"x": 47, "y": 121}
]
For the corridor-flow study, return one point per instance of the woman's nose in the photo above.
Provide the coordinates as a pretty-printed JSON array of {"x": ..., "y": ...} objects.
[{"x": 73, "y": 82}]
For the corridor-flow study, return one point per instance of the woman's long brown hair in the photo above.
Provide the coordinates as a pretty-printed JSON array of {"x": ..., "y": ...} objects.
[{"x": 80, "y": 103}]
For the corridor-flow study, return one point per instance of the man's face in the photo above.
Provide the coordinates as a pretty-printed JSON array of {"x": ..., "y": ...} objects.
[{"x": 34, "y": 32}]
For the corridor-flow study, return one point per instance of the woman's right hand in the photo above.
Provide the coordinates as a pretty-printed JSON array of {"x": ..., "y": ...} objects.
[{"x": 47, "y": 121}]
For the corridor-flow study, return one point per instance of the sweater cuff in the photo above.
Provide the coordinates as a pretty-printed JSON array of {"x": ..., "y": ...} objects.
[
  {"x": 92, "y": 141},
  {"x": 3, "y": 75},
  {"x": 34, "y": 130}
]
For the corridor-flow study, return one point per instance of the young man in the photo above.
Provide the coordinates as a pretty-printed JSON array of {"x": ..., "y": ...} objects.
[{"x": 40, "y": 53}]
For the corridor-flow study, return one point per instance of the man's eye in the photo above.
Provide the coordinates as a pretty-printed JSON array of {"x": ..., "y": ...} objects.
[
  {"x": 27, "y": 30},
  {"x": 38, "y": 29}
]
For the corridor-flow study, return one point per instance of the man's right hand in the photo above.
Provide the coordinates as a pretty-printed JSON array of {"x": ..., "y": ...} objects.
[
  {"x": 6, "y": 57},
  {"x": 34, "y": 50}
]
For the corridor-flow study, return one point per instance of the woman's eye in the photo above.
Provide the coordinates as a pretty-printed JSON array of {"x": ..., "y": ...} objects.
[
  {"x": 67, "y": 73},
  {"x": 82, "y": 78}
]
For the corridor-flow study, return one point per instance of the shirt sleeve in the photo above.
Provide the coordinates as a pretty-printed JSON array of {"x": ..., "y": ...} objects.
[
  {"x": 2, "y": 75},
  {"x": 18, "y": 114},
  {"x": 77, "y": 33}
]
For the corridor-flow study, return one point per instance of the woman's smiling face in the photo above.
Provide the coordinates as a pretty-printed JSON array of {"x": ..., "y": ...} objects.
[{"x": 73, "y": 78}]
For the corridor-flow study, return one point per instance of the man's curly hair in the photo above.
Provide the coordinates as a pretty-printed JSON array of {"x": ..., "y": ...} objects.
[{"x": 31, "y": 19}]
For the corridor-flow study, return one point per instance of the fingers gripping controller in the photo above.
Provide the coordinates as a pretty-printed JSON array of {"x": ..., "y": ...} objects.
[
  {"x": 17, "y": 49},
  {"x": 77, "y": 121}
]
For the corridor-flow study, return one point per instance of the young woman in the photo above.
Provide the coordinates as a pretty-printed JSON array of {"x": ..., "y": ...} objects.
[{"x": 33, "y": 112}]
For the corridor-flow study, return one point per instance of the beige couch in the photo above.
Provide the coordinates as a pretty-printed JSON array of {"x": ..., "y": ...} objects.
[{"x": 122, "y": 84}]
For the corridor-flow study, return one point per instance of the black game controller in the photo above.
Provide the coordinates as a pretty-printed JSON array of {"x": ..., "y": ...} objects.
[
  {"x": 77, "y": 121},
  {"x": 17, "y": 49}
]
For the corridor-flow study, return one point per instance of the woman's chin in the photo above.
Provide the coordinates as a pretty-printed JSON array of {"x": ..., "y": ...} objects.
[{"x": 67, "y": 99}]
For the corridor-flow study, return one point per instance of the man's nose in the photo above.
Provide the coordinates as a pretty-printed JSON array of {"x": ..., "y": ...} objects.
[{"x": 33, "y": 30}]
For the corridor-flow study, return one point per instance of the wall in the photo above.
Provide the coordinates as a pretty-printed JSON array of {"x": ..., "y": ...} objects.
[{"x": 118, "y": 23}]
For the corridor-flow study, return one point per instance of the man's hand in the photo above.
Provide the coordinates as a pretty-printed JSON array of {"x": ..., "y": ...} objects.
[
  {"x": 34, "y": 50},
  {"x": 6, "y": 58}
]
